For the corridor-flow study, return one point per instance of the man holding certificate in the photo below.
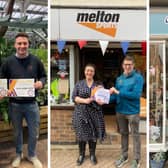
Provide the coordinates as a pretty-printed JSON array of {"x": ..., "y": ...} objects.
[
  {"x": 26, "y": 75},
  {"x": 127, "y": 94}
]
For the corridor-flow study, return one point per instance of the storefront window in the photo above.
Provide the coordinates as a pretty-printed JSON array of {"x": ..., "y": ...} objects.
[
  {"x": 166, "y": 91},
  {"x": 60, "y": 76},
  {"x": 156, "y": 88}
]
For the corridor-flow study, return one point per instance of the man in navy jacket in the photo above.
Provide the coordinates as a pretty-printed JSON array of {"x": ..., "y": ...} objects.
[
  {"x": 23, "y": 65},
  {"x": 126, "y": 94}
]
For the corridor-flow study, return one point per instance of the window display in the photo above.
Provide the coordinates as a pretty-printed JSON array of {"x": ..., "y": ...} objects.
[
  {"x": 157, "y": 96},
  {"x": 156, "y": 90},
  {"x": 59, "y": 76}
]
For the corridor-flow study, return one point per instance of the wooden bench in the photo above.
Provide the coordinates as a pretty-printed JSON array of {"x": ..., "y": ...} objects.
[
  {"x": 6, "y": 132},
  {"x": 143, "y": 108}
]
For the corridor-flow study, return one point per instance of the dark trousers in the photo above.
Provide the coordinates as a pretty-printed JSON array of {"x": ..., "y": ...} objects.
[{"x": 124, "y": 121}]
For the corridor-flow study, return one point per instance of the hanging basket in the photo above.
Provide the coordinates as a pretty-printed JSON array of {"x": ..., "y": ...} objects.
[{"x": 156, "y": 164}]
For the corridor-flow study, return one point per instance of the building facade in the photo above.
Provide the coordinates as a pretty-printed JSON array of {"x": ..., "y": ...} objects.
[{"x": 113, "y": 23}]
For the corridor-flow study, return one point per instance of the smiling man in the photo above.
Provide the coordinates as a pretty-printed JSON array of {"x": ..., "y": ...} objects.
[
  {"x": 23, "y": 65},
  {"x": 126, "y": 94}
]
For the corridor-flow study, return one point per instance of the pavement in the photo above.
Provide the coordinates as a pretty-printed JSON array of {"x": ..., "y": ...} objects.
[
  {"x": 65, "y": 156},
  {"x": 7, "y": 153}
]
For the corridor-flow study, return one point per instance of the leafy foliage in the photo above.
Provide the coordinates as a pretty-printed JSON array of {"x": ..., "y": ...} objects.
[
  {"x": 4, "y": 109},
  {"x": 159, "y": 156}
]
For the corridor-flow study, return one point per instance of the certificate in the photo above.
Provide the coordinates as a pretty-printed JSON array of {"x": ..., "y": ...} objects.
[
  {"x": 21, "y": 88},
  {"x": 3, "y": 87},
  {"x": 101, "y": 94}
]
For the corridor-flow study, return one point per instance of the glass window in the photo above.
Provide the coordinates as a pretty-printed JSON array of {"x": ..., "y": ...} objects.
[
  {"x": 166, "y": 91},
  {"x": 156, "y": 88},
  {"x": 60, "y": 76}
]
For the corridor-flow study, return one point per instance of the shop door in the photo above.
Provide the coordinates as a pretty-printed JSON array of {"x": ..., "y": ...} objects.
[
  {"x": 108, "y": 67},
  {"x": 158, "y": 119}
]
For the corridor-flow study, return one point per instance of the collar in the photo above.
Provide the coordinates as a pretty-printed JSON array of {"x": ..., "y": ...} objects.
[
  {"x": 129, "y": 75},
  {"x": 22, "y": 57}
]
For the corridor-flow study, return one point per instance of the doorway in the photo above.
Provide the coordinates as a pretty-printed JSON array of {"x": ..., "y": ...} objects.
[{"x": 108, "y": 68}]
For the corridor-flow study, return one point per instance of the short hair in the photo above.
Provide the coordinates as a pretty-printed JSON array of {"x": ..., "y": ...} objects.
[
  {"x": 22, "y": 34},
  {"x": 91, "y": 65},
  {"x": 129, "y": 58}
]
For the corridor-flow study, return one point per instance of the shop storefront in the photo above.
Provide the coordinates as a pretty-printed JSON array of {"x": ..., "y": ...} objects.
[
  {"x": 158, "y": 137},
  {"x": 92, "y": 26}
]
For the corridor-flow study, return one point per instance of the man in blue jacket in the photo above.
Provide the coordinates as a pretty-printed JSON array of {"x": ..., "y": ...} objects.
[{"x": 127, "y": 94}]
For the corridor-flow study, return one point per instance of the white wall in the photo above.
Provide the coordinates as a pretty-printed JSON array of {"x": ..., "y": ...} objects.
[{"x": 95, "y": 3}]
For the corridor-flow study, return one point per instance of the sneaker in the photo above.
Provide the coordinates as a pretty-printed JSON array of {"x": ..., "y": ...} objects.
[
  {"x": 135, "y": 164},
  {"x": 121, "y": 161},
  {"x": 36, "y": 162},
  {"x": 17, "y": 160}
]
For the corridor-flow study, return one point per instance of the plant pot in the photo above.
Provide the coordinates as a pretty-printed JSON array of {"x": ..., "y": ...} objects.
[{"x": 155, "y": 164}]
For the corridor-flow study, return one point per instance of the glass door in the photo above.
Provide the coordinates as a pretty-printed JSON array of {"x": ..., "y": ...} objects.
[{"x": 157, "y": 96}]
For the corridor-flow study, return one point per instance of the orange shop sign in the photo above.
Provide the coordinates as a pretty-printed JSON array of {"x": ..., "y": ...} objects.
[
  {"x": 96, "y": 24},
  {"x": 100, "y": 21}
]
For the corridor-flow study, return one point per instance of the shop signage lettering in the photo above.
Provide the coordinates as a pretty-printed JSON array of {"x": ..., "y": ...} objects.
[
  {"x": 100, "y": 21},
  {"x": 166, "y": 20}
]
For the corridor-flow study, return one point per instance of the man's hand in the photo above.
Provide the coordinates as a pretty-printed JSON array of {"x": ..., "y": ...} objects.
[
  {"x": 9, "y": 92},
  {"x": 113, "y": 90},
  {"x": 38, "y": 85}
]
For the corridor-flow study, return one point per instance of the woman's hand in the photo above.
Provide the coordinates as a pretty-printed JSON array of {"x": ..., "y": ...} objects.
[
  {"x": 99, "y": 102},
  {"x": 88, "y": 100},
  {"x": 83, "y": 100}
]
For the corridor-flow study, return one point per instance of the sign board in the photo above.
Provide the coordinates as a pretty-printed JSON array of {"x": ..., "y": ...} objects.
[
  {"x": 98, "y": 24},
  {"x": 159, "y": 23}
]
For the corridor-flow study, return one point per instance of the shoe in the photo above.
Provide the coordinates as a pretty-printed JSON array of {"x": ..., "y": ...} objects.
[
  {"x": 17, "y": 160},
  {"x": 121, "y": 161},
  {"x": 36, "y": 162},
  {"x": 135, "y": 164},
  {"x": 80, "y": 160},
  {"x": 93, "y": 159}
]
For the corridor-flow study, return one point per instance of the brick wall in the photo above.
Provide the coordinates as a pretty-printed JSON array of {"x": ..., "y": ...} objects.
[
  {"x": 61, "y": 126},
  {"x": 62, "y": 132}
]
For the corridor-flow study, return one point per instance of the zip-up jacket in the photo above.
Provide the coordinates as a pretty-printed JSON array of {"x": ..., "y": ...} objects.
[{"x": 130, "y": 90}]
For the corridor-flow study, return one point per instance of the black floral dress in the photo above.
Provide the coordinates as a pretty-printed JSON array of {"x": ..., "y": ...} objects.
[{"x": 88, "y": 120}]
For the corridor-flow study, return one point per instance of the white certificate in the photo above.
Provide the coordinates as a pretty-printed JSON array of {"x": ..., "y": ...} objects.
[
  {"x": 3, "y": 87},
  {"x": 21, "y": 88},
  {"x": 102, "y": 95}
]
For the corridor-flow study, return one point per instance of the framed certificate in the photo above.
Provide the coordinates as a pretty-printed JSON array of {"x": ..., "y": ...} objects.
[
  {"x": 21, "y": 88},
  {"x": 3, "y": 87},
  {"x": 99, "y": 93}
]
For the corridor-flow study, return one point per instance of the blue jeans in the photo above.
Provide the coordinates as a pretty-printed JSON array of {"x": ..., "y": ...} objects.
[{"x": 29, "y": 112}]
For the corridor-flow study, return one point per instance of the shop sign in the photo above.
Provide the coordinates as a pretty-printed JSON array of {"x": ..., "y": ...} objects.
[
  {"x": 166, "y": 20},
  {"x": 159, "y": 23},
  {"x": 100, "y": 21},
  {"x": 54, "y": 24},
  {"x": 100, "y": 24}
]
